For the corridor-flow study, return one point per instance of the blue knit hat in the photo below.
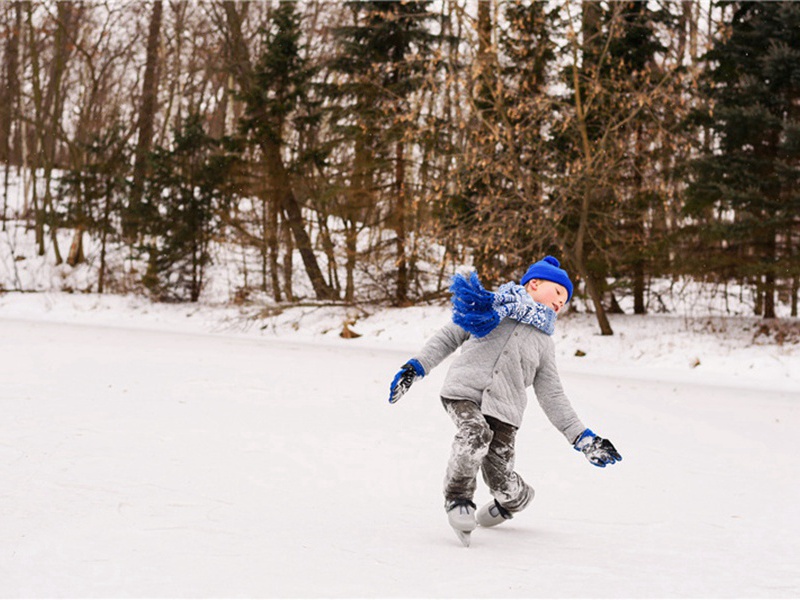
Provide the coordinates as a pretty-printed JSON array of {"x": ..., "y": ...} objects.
[{"x": 548, "y": 269}]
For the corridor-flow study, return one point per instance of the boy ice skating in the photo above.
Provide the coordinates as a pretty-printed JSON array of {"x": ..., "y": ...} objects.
[{"x": 506, "y": 347}]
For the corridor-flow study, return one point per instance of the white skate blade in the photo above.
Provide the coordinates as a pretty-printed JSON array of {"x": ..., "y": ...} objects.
[{"x": 463, "y": 536}]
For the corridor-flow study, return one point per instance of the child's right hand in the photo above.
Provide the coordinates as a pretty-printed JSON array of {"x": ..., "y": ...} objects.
[{"x": 407, "y": 375}]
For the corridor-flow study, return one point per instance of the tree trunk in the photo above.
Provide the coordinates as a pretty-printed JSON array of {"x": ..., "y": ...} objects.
[
  {"x": 638, "y": 288},
  {"x": 271, "y": 246},
  {"x": 401, "y": 295},
  {"x": 145, "y": 125},
  {"x": 589, "y": 25},
  {"x": 594, "y": 293},
  {"x": 350, "y": 245},
  {"x": 769, "y": 276},
  {"x": 107, "y": 205},
  {"x": 75, "y": 255},
  {"x": 482, "y": 97},
  {"x": 174, "y": 78},
  {"x": 600, "y": 311},
  {"x": 769, "y": 295},
  {"x": 69, "y": 14},
  {"x": 640, "y": 240},
  {"x": 328, "y": 248},
  {"x": 281, "y": 184},
  {"x": 9, "y": 100},
  {"x": 484, "y": 56},
  {"x": 9, "y": 94},
  {"x": 578, "y": 255},
  {"x": 40, "y": 121},
  {"x": 288, "y": 262},
  {"x": 68, "y": 17}
]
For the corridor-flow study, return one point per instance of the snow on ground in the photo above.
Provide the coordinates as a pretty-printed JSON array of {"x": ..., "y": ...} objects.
[{"x": 197, "y": 451}]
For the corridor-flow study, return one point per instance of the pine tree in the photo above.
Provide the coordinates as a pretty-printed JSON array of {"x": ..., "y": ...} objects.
[
  {"x": 382, "y": 58},
  {"x": 279, "y": 81},
  {"x": 97, "y": 189},
  {"x": 634, "y": 53},
  {"x": 185, "y": 195},
  {"x": 270, "y": 86},
  {"x": 747, "y": 190}
]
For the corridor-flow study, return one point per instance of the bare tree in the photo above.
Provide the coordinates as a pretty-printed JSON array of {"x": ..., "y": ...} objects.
[{"x": 48, "y": 104}]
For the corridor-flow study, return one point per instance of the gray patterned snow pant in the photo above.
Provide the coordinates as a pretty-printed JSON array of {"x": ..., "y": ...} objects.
[{"x": 486, "y": 444}]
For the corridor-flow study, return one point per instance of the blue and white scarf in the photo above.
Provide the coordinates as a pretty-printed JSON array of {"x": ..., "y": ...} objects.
[{"x": 479, "y": 311}]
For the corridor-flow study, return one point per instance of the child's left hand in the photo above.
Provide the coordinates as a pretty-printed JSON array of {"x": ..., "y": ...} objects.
[{"x": 600, "y": 452}]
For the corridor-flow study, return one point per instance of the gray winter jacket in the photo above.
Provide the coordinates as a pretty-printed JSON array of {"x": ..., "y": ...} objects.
[{"x": 495, "y": 371}]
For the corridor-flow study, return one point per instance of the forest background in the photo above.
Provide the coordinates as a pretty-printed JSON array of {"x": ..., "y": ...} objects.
[{"x": 355, "y": 152}]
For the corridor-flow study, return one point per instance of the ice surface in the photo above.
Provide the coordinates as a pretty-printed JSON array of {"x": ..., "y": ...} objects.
[{"x": 185, "y": 452}]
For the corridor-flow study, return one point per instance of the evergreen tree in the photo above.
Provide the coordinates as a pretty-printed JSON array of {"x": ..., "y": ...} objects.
[
  {"x": 185, "y": 194},
  {"x": 747, "y": 191},
  {"x": 382, "y": 57},
  {"x": 271, "y": 87},
  {"x": 637, "y": 70},
  {"x": 273, "y": 122},
  {"x": 281, "y": 76},
  {"x": 97, "y": 190}
]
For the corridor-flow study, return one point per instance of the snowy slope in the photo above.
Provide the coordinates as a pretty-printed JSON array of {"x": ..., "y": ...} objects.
[{"x": 153, "y": 451}]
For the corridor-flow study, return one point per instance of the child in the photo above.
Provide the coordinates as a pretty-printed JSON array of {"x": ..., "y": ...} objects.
[{"x": 506, "y": 348}]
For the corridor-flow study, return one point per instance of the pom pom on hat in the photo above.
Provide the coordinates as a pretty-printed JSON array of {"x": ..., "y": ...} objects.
[{"x": 549, "y": 269}]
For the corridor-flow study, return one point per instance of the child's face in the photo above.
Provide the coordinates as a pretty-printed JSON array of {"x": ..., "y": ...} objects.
[{"x": 549, "y": 293}]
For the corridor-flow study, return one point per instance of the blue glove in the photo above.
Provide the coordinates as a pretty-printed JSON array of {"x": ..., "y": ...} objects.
[
  {"x": 408, "y": 374},
  {"x": 598, "y": 451}
]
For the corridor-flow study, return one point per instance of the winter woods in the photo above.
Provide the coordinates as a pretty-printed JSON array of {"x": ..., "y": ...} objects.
[{"x": 362, "y": 151}]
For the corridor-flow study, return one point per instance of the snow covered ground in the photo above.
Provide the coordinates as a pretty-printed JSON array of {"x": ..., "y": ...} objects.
[{"x": 179, "y": 451}]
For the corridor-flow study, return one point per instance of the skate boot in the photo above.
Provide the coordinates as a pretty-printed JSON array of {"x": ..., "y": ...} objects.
[
  {"x": 492, "y": 514},
  {"x": 461, "y": 515}
]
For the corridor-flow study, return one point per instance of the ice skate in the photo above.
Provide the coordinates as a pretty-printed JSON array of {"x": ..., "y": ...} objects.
[
  {"x": 461, "y": 515},
  {"x": 492, "y": 514}
]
